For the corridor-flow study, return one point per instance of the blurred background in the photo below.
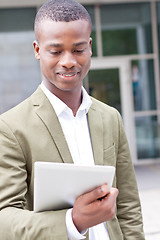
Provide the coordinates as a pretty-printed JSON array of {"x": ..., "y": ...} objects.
[{"x": 124, "y": 74}]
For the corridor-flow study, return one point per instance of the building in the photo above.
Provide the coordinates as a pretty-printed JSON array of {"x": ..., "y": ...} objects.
[{"x": 124, "y": 70}]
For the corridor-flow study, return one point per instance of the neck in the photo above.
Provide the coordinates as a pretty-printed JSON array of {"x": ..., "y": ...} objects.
[{"x": 72, "y": 98}]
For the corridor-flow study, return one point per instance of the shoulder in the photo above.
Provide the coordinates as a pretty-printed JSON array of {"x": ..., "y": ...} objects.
[
  {"x": 110, "y": 116},
  {"x": 21, "y": 112},
  {"x": 103, "y": 108}
]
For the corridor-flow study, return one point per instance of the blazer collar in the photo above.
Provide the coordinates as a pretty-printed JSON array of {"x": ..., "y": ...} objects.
[
  {"x": 96, "y": 132},
  {"x": 46, "y": 113}
]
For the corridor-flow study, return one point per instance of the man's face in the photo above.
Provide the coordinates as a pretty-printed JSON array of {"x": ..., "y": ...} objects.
[{"x": 64, "y": 51}]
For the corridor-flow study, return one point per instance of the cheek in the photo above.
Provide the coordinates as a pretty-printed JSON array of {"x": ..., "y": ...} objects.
[
  {"x": 48, "y": 63},
  {"x": 87, "y": 63},
  {"x": 85, "y": 60},
  {"x": 46, "y": 68},
  {"x": 47, "y": 60}
]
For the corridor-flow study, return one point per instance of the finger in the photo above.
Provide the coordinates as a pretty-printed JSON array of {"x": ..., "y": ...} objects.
[
  {"x": 111, "y": 196},
  {"x": 113, "y": 192},
  {"x": 95, "y": 194}
]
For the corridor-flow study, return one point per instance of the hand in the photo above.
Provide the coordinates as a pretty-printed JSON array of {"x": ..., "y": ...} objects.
[{"x": 94, "y": 207}]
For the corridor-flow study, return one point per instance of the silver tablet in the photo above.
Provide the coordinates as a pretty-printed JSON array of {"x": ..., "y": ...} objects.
[{"x": 57, "y": 185}]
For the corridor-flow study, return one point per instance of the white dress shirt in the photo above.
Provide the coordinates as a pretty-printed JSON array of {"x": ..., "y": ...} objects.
[{"x": 76, "y": 132}]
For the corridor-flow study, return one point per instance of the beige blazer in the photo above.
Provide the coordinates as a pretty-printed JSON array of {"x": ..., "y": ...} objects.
[{"x": 31, "y": 132}]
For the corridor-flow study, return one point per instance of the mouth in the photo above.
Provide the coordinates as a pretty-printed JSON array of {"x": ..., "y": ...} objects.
[{"x": 68, "y": 75}]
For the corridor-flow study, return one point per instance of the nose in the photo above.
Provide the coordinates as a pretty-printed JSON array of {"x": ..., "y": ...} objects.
[{"x": 68, "y": 60}]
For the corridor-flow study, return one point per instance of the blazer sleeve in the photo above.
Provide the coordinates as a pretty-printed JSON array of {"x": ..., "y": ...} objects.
[
  {"x": 16, "y": 222},
  {"x": 128, "y": 203}
]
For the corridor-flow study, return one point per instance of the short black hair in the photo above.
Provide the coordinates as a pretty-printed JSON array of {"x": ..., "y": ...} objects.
[{"x": 61, "y": 11}]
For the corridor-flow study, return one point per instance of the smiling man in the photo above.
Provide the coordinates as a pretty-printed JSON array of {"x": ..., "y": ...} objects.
[
  {"x": 64, "y": 51},
  {"x": 60, "y": 122}
]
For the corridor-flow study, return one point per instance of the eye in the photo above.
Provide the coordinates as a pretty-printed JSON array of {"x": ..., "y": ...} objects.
[
  {"x": 79, "y": 50},
  {"x": 55, "y": 52}
]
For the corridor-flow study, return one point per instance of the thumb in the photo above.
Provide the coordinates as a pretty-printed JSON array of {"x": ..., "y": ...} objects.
[{"x": 97, "y": 193}]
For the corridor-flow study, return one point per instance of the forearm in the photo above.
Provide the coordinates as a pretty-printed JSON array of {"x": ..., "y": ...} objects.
[{"x": 18, "y": 224}]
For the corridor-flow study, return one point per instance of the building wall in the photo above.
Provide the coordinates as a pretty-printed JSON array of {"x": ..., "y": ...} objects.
[{"x": 124, "y": 70}]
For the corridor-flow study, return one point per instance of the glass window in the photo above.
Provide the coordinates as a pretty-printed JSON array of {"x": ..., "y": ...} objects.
[
  {"x": 20, "y": 73},
  {"x": 90, "y": 9},
  {"x": 20, "y": 19},
  {"x": 143, "y": 85},
  {"x": 104, "y": 86},
  {"x": 158, "y": 20},
  {"x": 129, "y": 31},
  {"x": 148, "y": 137}
]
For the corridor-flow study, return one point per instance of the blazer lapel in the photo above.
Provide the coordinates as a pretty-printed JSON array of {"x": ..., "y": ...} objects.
[
  {"x": 96, "y": 132},
  {"x": 47, "y": 114}
]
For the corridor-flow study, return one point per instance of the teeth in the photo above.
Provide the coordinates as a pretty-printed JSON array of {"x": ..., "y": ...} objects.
[{"x": 68, "y": 75}]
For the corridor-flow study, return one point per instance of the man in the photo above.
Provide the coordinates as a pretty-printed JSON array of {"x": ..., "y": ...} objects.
[{"x": 61, "y": 123}]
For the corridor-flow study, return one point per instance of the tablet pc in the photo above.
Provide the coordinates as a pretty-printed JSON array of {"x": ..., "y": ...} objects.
[{"x": 57, "y": 185}]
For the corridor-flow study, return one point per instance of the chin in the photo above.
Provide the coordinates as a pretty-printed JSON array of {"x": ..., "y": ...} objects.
[{"x": 67, "y": 89}]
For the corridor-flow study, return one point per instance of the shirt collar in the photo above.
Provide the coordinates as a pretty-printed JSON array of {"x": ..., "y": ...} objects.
[{"x": 59, "y": 106}]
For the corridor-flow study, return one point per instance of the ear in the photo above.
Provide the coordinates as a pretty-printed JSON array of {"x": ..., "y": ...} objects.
[
  {"x": 36, "y": 50},
  {"x": 90, "y": 45}
]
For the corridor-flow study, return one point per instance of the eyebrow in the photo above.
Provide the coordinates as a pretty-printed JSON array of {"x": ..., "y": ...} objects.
[
  {"x": 57, "y": 45},
  {"x": 80, "y": 43}
]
